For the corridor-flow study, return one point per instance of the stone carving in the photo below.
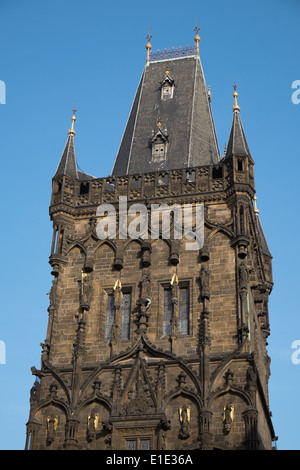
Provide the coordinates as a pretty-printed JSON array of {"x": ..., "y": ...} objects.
[
  {"x": 204, "y": 281},
  {"x": 52, "y": 422},
  {"x": 118, "y": 261},
  {"x": 229, "y": 378},
  {"x": 146, "y": 254},
  {"x": 86, "y": 291},
  {"x": 115, "y": 329},
  {"x": 184, "y": 419},
  {"x": 251, "y": 378},
  {"x": 174, "y": 252},
  {"x": 52, "y": 293},
  {"x": 92, "y": 424},
  {"x": 139, "y": 400},
  {"x": 117, "y": 383},
  {"x": 243, "y": 276},
  {"x": 138, "y": 403},
  {"x": 181, "y": 379},
  {"x": 79, "y": 344},
  {"x": 144, "y": 301},
  {"x": 228, "y": 418}
]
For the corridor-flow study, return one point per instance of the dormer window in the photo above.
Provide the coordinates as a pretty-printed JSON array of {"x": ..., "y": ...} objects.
[
  {"x": 167, "y": 92},
  {"x": 159, "y": 144},
  {"x": 158, "y": 151},
  {"x": 167, "y": 87}
]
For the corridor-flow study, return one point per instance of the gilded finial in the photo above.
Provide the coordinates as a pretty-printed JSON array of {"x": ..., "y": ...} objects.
[
  {"x": 255, "y": 205},
  {"x": 235, "y": 95},
  {"x": 73, "y": 118},
  {"x": 197, "y": 37},
  {"x": 158, "y": 122},
  {"x": 148, "y": 45}
]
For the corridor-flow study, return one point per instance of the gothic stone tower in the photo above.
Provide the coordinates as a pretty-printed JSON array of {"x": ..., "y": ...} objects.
[{"x": 150, "y": 345}]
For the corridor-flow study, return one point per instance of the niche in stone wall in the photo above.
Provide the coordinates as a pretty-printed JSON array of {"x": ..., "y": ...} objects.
[{"x": 182, "y": 412}]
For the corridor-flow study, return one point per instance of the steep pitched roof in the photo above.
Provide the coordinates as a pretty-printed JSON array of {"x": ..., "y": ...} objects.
[
  {"x": 68, "y": 164},
  {"x": 263, "y": 241},
  {"x": 237, "y": 143},
  {"x": 186, "y": 116}
]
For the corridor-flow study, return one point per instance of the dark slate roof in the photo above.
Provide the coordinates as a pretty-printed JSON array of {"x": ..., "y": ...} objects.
[
  {"x": 237, "y": 143},
  {"x": 263, "y": 241},
  {"x": 84, "y": 176},
  {"x": 68, "y": 165},
  {"x": 187, "y": 119}
]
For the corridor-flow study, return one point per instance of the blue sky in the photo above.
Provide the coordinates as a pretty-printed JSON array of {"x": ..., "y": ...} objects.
[{"x": 92, "y": 52}]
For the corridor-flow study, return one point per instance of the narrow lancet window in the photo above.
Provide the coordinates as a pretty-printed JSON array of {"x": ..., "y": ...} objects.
[
  {"x": 110, "y": 315},
  {"x": 168, "y": 312},
  {"x": 183, "y": 328},
  {"x": 125, "y": 315},
  {"x": 125, "y": 321}
]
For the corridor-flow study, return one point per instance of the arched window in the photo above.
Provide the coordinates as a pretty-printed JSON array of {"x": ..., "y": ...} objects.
[{"x": 125, "y": 315}]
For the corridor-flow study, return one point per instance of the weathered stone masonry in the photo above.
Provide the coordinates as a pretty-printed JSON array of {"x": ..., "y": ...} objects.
[{"x": 116, "y": 371}]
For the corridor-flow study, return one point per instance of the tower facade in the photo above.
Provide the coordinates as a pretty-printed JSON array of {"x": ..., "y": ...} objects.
[{"x": 152, "y": 343}]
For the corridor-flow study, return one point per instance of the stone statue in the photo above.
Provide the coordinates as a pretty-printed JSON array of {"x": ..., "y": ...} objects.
[
  {"x": 184, "y": 418},
  {"x": 204, "y": 281},
  {"x": 243, "y": 276}
]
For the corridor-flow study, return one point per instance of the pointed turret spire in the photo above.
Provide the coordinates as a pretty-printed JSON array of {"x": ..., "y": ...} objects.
[
  {"x": 67, "y": 164},
  {"x": 237, "y": 143},
  {"x": 263, "y": 241}
]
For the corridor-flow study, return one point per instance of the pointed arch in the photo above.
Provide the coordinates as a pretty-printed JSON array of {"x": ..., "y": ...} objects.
[
  {"x": 131, "y": 240},
  {"x": 55, "y": 402},
  {"x": 229, "y": 390},
  {"x": 221, "y": 229},
  {"x": 99, "y": 399},
  {"x": 76, "y": 244},
  {"x": 138, "y": 371},
  {"x": 183, "y": 392},
  {"x": 107, "y": 242}
]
